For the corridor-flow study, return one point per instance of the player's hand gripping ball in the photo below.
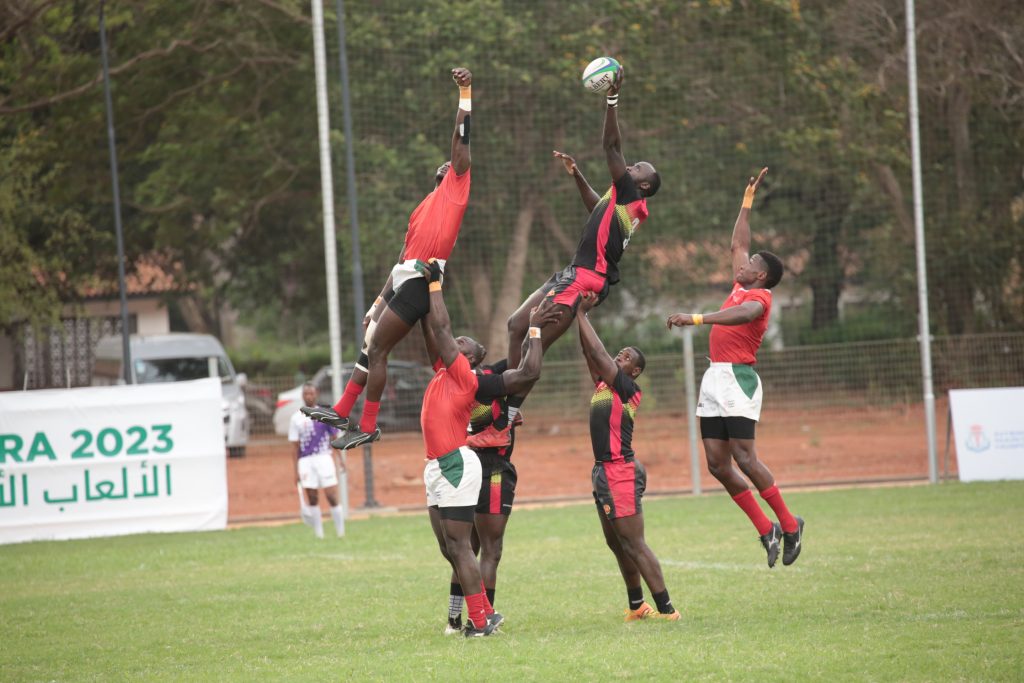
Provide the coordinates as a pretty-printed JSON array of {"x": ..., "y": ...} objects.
[{"x": 600, "y": 74}]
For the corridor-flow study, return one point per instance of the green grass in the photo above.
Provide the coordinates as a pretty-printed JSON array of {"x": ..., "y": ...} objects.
[{"x": 923, "y": 583}]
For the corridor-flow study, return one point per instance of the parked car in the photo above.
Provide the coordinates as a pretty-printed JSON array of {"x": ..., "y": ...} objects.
[
  {"x": 400, "y": 403},
  {"x": 179, "y": 357}
]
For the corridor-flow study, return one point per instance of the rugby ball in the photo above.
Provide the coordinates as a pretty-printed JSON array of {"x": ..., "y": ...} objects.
[{"x": 600, "y": 74}]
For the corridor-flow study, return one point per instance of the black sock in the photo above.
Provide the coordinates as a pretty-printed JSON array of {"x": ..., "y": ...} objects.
[
  {"x": 663, "y": 602},
  {"x": 490, "y": 595},
  {"x": 636, "y": 596}
]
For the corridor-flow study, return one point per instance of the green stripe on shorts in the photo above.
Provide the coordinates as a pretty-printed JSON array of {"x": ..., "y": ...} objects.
[
  {"x": 746, "y": 378},
  {"x": 452, "y": 467}
]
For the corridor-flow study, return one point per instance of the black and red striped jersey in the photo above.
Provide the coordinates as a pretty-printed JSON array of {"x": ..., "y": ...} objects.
[
  {"x": 612, "y": 412},
  {"x": 609, "y": 228},
  {"x": 487, "y": 409}
]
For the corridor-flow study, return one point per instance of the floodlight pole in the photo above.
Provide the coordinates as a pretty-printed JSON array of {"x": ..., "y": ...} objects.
[
  {"x": 327, "y": 197},
  {"x": 924, "y": 332},
  {"x": 126, "y": 349}
]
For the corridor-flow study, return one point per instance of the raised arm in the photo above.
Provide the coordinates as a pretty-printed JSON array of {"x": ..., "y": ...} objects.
[
  {"x": 612, "y": 139},
  {"x": 460, "y": 138},
  {"x": 741, "y": 231},
  {"x": 587, "y": 194},
  {"x": 601, "y": 365},
  {"x": 518, "y": 380},
  {"x": 429, "y": 341}
]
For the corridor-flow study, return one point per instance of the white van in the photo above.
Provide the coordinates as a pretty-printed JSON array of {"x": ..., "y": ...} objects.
[{"x": 177, "y": 357}]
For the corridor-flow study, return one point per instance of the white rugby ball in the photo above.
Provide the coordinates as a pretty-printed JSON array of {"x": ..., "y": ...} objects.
[{"x": 600, "y": 74}]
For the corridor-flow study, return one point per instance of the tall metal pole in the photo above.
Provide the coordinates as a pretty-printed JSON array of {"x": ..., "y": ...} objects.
[
  {"x": 358, "y": 298},
  {"x": 126, "y": 351},
  {"x": 691, "y": 407},
  {"x": 924, "y": 334},
  {"x": 327, "y": 192}
]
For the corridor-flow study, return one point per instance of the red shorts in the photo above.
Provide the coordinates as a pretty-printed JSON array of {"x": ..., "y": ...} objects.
[
  {"x": 569, "y": 286},
  {"x": 618, "y": 487}
]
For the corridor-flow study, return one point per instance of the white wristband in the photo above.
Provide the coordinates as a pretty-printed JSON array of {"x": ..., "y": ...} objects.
[{"x": 534, "y": 333}]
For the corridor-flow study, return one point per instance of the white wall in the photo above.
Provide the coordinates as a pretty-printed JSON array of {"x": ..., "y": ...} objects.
[{"x": 151, "y": 315}]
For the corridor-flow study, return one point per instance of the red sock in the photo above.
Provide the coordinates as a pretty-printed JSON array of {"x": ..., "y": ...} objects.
[
  {"x": 488, "y": 607},
  {"x": 773, "y": 497},
  {"x": 748, "y": 504},
  {"x": 475, "y": 609},
  {"x": 348, "y": 399},
  {"x": 369, "y": 421}
]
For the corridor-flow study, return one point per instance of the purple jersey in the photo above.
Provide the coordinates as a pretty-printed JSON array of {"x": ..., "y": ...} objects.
[{"x": 314, "y": 438}]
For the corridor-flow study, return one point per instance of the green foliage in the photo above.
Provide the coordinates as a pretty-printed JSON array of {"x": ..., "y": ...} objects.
[{"x": 275, "y": 603}]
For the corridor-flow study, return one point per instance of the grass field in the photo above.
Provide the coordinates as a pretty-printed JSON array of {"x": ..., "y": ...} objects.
[{"x": 922, "y": 583}]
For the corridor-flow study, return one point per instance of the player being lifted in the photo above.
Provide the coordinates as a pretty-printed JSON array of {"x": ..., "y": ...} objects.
[
  {"x": 433, "y": 228},
  {"x": 614, "y": 218},
  {"x": 618, "y": 477},
  {"x": 452, "y": 475},
  {"x": 730, "y": 393}
]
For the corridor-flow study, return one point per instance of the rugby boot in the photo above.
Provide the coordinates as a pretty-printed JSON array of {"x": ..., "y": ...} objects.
[
  {"x": 642, "y": 612},
  {"x": 792, "y": 542},
  {"x": 325, "y": 415},
  {"x": 674, "y": 615},
  {"x": 454, "y": 625},
  {"x": 353, "y": 438},
  {"x": 490, "y": 437},
  {"x": 494, "y": 620},
  {"x": 770, "y": 541}
]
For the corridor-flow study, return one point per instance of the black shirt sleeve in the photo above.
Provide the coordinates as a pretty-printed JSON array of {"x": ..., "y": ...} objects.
[
  {"x": 624, "y": 386},
  {"x": 499, "y": 367},
  {"x": 625, "y": 190},
  {"x": 489, "y": 388}
]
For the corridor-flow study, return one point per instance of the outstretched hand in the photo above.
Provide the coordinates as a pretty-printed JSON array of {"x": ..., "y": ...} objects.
[
  {"x": 546, "y": 312},
  {"x": 752, "y": 185},
  {"x": 567, "y": 161},
  {"x": 462, "y": 77},
  {"x": 679, "y": 320},
  {"x": 614, "y": 89},
  {"x": 587, "y": 302}
]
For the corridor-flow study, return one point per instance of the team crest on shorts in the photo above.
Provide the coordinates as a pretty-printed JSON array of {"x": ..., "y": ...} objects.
[{"x": 607, "y": 509}]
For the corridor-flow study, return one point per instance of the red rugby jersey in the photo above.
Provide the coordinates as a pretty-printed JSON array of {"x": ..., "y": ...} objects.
[
  {"x": 739, "y": 343},
  {"x": 434, "y": 224}
]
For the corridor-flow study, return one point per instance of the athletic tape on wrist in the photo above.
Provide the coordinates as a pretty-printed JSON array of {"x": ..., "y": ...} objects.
[
  {"x": 612, "y": 100},
  {"x": 697, "y": 318},
  {"x": 748, "y": 201},
  {"x": 534, "y": 333},
  {"x": 466, "y": 98},
  {"x": 434, "y": 287}
]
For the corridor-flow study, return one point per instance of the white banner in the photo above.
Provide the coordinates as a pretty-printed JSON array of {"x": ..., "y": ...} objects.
[
  {"x": 104, "y": 461},
  {"x": 988, "y": 425}
]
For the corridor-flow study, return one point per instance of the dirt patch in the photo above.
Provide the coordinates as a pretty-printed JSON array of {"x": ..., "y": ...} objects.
[{"x": 554, "y": 459}]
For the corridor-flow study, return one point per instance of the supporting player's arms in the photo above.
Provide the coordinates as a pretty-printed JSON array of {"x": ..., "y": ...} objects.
[
  {"x": 734, "y": 315},
  {"x": 522, "y": 378},
  {"x": 741, "y": 230},
  {"x": 601, "y": 365},
  {"x": 438, "y": 320},
  {"x": 460, "y": 138},
  {"x": 612, "y": 140},
  {"x": 587, "y": 194},
  {"x": 429, "y": 341}
]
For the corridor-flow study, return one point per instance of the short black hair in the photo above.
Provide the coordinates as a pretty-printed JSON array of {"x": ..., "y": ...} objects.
[
  {"x": 655, "y": 184},
  {"x": 775, "y": 268},
  {"x": 641, "y": 359}
]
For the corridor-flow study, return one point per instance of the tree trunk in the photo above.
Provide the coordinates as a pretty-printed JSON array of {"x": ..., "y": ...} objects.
[{"x": 511, "y": 289}]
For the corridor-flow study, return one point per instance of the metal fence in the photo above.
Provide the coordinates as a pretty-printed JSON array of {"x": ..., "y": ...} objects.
[{"x": 833, "y": 413}]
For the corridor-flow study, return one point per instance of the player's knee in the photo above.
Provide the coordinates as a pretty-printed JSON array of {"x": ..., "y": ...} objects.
[
  {"x": 313, "y": 498},
  {"x": 376, "y": 355},
  {"x": 718, "y": 469},
  {"x": 492, "y": 552},
  {"x": 517, "y": 324},
  {"x": 744, "y": 456},
  {"x": 631, "y": 546}
]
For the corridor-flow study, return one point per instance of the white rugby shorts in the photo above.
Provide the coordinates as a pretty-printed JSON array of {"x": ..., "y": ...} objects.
[
  {"x": 730, "y": 390},
  {"x": 317, "y": 471},
  {"x": 453, "y": 480}
]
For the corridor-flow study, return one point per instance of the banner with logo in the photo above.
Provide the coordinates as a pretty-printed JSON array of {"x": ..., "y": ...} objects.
[
  {"x": 104, "y": 461},
  {"x": 988, "y": 425}
]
